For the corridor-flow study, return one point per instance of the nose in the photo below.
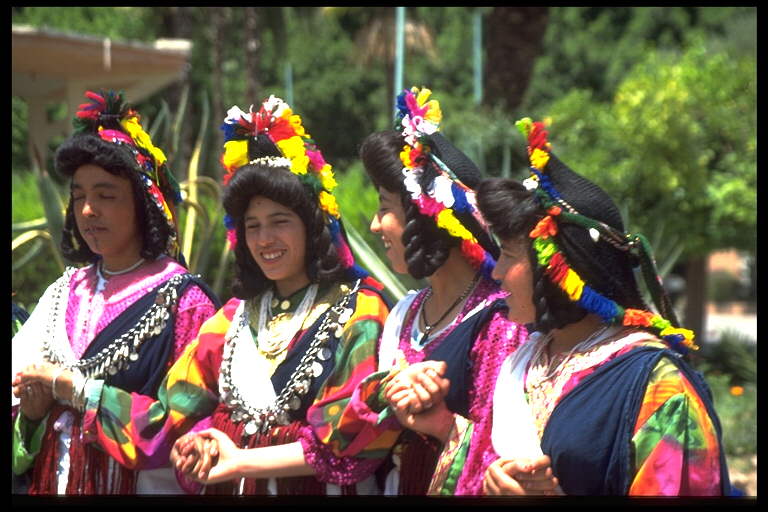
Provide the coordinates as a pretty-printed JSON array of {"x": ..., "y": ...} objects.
[
  {"x": 375, "y": 226},
  {"x": 88, "y": 210},
  {"x": 264, "y": 237}
]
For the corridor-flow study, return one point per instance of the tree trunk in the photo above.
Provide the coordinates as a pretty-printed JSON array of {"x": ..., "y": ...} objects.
[
  {"x": 252, "y": 51},
  {"x": 217, "y": 100},
  {"x": 514, "y": 38},
  {"x": 696, "y": 293}
]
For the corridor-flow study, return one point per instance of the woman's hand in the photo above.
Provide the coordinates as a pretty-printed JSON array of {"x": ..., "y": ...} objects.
[
  {"x": 521, "y": 477},
  {"x": 43, "y": 374},
  {"x": 215, "y": 458},
  {"x": 193, "y": 456},
  {"x": 418, "y": 387},
  {"x": 35, "y": 400}
]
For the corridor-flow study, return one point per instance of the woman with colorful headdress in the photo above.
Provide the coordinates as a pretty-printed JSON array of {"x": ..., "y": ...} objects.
[
  {"x": 599, "y": 399},
  {"x": 455, "y": 328},
  {"x": 276, "y": 365},
  {"x": 121, "y": 320}
]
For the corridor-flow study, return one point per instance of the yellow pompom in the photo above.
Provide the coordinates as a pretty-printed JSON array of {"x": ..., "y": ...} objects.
[
  {"x": 299, "y": 164},
  {"x": 291, "y": 147},
  {"x": 235, "y": 154},
  {"x": 328, "y": 203},
  {"x": 539, "y": 158},
  {"x": 447, "y": 221},
  {"x": 326, "y": 178},
  {"x": 421, "y": 97},
  {"x": 434, "y": 114},
  {"x": 572, "y": 285},
  {"x": 295, "y": 121}
]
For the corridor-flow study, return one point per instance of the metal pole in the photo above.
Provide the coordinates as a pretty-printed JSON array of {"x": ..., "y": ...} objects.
[
  {"x": 289, "y": 84},
  {"x": 399, "y": 47},
  {"x": 478, "y": 55},
  {"x": 478, "y": 69}
]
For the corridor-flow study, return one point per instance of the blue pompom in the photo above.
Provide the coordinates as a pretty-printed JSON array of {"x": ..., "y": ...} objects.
[
  {"x": 675, "y": 342},
  {"x": 460, "y": 203},
  {"x": 229, "y": 131},
  {"x": 229, "y": 222},
  {"x": 595, "y": 303}
]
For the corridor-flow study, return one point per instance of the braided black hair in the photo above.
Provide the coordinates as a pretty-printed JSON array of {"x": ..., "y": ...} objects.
[
  {"x": 426, "y": 246},
  {"x": 278, "y": 184},
  {"x": 83, "y": 149},
  {"x": 514, "y": 211}
]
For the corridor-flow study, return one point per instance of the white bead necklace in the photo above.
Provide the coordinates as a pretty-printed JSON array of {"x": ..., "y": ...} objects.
[
  {"x": 101, "y": 282},
  {"x": 273, "y": 343}
]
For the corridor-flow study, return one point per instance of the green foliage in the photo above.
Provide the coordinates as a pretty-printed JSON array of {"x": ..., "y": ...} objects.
[
  {"x": 593, "y": 48},
  {"x": 734, "y": 355},
  {"x": 737, "y": 413},
  {"x": 19, "y": 139},
  {"x": 122, "y": 23},
  {"x": 679, "y": 138}
]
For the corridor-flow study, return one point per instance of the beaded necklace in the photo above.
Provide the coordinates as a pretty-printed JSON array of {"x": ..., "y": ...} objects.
[{"x": 262, "y": 419}]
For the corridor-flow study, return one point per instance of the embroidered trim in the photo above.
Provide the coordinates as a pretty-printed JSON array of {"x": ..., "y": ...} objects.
[
  {"x": 309, "y": 367},
  {"x": 122, "y": 352}
]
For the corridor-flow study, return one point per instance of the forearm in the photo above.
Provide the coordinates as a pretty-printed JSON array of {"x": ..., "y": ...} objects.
[{"x": 271, "y": 462}]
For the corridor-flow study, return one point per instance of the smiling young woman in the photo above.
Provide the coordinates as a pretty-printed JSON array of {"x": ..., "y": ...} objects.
[
  {"x": 273, "y": 368},
  {"x": 456, "y": 327}
]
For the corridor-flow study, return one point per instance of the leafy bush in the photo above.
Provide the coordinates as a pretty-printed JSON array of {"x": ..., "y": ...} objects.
[
  {"x": 734, "y": 356},
  {"x": 736, "y": 407}
]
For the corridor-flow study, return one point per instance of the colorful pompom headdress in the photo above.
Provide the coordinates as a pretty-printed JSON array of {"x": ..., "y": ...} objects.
[
  {"x": 578, "y": 208},
  {"x": 440, "y": 178},
  {"x": 107, "y": 116},
  {"x": 276, "y": 121}
]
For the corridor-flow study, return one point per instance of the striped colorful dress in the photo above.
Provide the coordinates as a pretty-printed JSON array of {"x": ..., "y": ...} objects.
[
  {"x": 139, "y": 431},
  {"x": 674, "y": 448},
  {"x": 81, "y": 320}
]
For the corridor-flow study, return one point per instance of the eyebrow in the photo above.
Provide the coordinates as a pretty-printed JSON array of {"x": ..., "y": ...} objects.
[
  {"x": 110, "y": 186},
  {"x": 270, "y": 216}
]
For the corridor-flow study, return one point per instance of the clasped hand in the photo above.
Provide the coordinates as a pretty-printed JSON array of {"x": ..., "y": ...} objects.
[
  {"x": 417, "y": 396},
  {"x": 208, "y": 456},
  {"x": 521, "y": 477},
  {"x": 34, "y": 388}
]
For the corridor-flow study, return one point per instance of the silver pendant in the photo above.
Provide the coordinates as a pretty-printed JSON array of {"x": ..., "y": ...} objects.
[
  {"x": 317, "y": 369},
  {"x": 134, "y": 356},
  {"x": 324, "y": 354},
  {"x": 285, "y": 305},
  {"x": 295, "y": 403},
  {"x": 274, "y": 302},
  {"x": 345, "y": 316},
  {"x": 339, "y": 331},
  {"x": 251, "y": 428}
]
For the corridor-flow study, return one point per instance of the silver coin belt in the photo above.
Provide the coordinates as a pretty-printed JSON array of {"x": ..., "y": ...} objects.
[
  {"x": 309, "y": 367},
  {"x": 119, "y": 354}
]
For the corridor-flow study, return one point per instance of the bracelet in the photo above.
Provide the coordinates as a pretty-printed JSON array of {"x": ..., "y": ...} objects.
[{"x": 56, "y": 374}]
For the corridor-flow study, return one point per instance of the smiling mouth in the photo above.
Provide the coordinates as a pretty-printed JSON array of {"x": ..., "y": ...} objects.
[
  {"x": 272, "y": 256},
  {"x": 94, "y": 230},
  {"x": 387, "y": 244}
]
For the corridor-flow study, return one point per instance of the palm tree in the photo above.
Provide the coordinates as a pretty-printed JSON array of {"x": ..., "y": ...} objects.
[
  {"x": 375, "y": 39},
  {"x": 513, "y": 37}
]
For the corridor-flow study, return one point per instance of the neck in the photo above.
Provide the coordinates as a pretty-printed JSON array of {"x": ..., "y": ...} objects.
[
  {"x": 117, "y": 264},
  {"x": 572, "y": 334},
  {"x": 450, "y": 280},
  {"x": 287, "y": 287}
]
